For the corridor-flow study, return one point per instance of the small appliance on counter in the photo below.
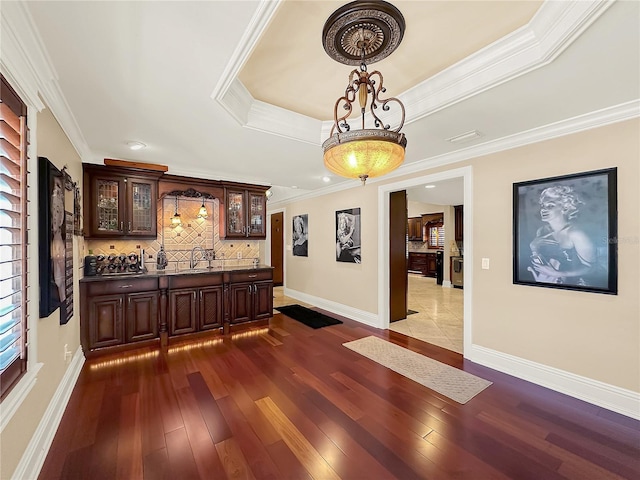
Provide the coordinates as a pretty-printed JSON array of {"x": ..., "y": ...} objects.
[{"x": 113, "y": 264}]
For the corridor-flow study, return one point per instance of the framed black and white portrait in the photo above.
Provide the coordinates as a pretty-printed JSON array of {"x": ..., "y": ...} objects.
[
  {"x": 301, "y": 235},
  {"x": 565, "y": 231},
  {"x": 348, "y": 236}
]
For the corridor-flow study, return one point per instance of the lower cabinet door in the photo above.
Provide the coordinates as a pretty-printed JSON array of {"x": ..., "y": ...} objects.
[
  {"x": 182, "y": 311},
  {"x": 142, "y": 316},
  {"x": 210, "y": 304},
  {"x": 106, "y": 326},
  {"x": 241, "y": 296},
  {"x": 262, "y": 300}
]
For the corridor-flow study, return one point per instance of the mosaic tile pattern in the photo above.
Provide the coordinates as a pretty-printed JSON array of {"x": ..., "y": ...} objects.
[{"x": 179, "y": 241}]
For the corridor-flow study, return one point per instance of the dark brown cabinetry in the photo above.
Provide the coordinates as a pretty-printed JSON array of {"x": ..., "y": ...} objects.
[
  {"x": 141, "y": 316},
  {"x": 414, "y": 230},
  {"x": 195, "y": 303},
  {"x": 431, "y": 269},
  {"x": 118, "y": 312},
  {"x": 459, "y": 222},
  {"x": 245, "y": 213},
  {"x": 423, "y": 262},
  {"x": 119, "y": 202},
  {"x": 251, "y": 297},
  {"x": 417, "y": 262}
]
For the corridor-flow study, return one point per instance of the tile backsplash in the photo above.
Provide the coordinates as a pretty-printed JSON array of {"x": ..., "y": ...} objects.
[{"x": 179, "y": 241}]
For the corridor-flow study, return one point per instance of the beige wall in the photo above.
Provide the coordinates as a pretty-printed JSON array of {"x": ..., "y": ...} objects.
[
  {"x": 51, "y": 142},
  {"x": 592, "y": 335}
]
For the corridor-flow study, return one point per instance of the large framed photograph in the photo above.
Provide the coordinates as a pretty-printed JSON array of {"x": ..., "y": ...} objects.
[
  {"x": 348, "y": 236},
  {"x": 565, "y": 232},
  {"x": 55, "y": 262},
  {"x": 301, "y": 235}
]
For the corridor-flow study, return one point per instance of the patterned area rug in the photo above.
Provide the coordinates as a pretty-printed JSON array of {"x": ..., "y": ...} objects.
[{"x": 449, "y": 381}]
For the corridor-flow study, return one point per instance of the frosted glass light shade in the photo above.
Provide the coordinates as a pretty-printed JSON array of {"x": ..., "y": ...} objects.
[{"x": 364, "y": 153}]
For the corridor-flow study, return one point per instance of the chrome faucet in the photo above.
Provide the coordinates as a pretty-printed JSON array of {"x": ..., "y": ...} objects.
[{"x": 194, "y": 262}]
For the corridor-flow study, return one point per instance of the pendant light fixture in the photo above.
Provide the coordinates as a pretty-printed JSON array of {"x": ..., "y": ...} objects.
[
  {"x": 357, "y": 33},
  {"x": 202, "y": 213},
  {"x": 176, "y": 220}
]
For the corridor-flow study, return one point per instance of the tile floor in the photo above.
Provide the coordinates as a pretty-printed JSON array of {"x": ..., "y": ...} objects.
[{"x": 440, "y": 312}]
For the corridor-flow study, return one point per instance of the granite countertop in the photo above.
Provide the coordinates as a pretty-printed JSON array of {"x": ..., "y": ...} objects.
[{"x": 174, "y": 272}]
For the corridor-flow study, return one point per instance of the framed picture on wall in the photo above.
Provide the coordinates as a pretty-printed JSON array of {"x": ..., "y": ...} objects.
[
  {"x": 348, "y": 236},
  {"x": 565, "y": 232},
  {"x": 301, "y": 235},
  {"x": 51, "y": 238}
]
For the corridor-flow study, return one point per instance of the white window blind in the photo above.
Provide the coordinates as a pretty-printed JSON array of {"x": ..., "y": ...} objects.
[
  {"x": 13, "y": 237},
  {"x": 436, "y": 235}
]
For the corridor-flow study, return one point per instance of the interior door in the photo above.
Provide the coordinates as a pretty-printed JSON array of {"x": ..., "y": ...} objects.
[
  {"x": 398, "y": 282},
  {"x": 277, "y": 242}
]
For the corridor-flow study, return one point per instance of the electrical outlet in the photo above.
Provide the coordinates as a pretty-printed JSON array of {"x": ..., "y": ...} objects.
[
  {"x": 67, "y": 353},
  {"x": 239, "y": 255},
  {"x": 485, "y": 264}
]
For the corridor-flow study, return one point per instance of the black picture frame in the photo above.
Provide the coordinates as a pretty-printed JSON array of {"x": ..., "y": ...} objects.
[
  {"x": 348, "y": 248},
  {"x": 51, "y": 190},
  {"x": 565, "y": 232},
  {"x": 300, "y": 235}
]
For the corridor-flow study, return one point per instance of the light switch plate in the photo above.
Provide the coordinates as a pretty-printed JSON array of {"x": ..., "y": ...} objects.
[{"x": 485, "y": 264}]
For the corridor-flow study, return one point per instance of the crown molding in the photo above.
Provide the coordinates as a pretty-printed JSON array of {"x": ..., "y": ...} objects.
[
  {"x": 257, "y": 25},
  {"x": 26, "y": 61},
  {"x": 580, "y": 123},
  {"x": 552, "y": 29}
]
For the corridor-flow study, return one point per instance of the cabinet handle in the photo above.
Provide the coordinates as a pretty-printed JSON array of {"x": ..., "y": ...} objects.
[
  {"x": 129, "y": 226},
  {"x": 126, "y": 286},
  {"x": 122, "y": 226},
  {"x": 255, "y": 289},
  {"x": 200, "y": 295},
  {"x": 253, "y": 276},
  {"x": 249, "y": 289}
]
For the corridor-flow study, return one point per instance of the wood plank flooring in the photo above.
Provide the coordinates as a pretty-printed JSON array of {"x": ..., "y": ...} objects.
[{"x": 289, "y": 402}]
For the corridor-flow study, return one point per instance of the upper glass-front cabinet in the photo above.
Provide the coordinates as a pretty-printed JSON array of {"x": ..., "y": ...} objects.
[
  {"x": 119, "y": 206},
  {"x": 257, "y": 209},
  {"x": 245, "y": 214},
  {"x": 236, "y": 214}
]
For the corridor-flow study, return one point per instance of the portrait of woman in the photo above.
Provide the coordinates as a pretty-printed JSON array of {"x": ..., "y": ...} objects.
[
  {"x": 348, "y": 236},
  {"x": 561, "y": 251},
  {"x": 300, "y": 236},
  {"x": 562, "y": 231},
  {"x": 57, "y": 237}
]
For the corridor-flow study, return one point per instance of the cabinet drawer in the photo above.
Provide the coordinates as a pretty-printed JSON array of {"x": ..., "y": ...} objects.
[
  {"x": 250, "y": 276},
  {"x": 126, "y": 285},
  {"x": 196, "y": 280}
]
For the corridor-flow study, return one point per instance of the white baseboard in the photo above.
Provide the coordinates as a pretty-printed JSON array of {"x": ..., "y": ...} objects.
[
  {"x": 33, "y": 457},
  {"x": 358, "y": 315},
  {"x": 607, "y": 396}
]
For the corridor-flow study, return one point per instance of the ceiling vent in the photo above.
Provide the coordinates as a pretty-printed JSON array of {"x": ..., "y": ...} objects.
[{"x": 466, "y": 137}]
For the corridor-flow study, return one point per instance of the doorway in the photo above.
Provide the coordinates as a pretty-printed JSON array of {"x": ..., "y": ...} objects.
[
  {"x": 385, "y": 286},
  {"x": 277, "y": 247}
]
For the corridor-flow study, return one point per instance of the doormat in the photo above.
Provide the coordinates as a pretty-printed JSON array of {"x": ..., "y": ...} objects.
[
  {"x": 307, "y": 316},
  {"x": 452, "y": 382}
]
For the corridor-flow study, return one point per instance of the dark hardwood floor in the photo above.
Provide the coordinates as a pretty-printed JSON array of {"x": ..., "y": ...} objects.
[{"x": 289, "y": 402}]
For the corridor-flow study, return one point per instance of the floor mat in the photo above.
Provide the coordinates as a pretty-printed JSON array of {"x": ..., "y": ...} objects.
[
  {"x": 452, "y": 382},
  {"x": 311, "y": 318}
]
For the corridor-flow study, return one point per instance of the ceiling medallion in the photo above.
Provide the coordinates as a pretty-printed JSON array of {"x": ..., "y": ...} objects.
[{"x": 358, "y": 33}]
